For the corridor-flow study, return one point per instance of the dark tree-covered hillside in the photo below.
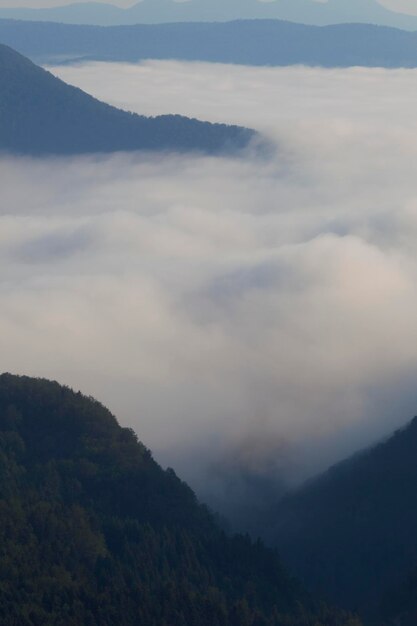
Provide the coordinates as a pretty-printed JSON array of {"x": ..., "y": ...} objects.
[
  {"x": 352, "y": 533},
  {"x": 94, "y": 533},
  {"x": 40, "y": 115},
  {"x": 399, "y": 605}
]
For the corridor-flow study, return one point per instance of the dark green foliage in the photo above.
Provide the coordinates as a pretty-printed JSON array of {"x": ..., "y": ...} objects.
[
  {"x": 351, "y": 534},
  {"x": 94, "y": 533},
  {"x": 40, "y": 115}
]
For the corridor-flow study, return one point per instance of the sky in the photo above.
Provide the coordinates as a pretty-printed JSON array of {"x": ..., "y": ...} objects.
[
  {"x": 407, "y": 6},
  {"x": 255, "y": 313}
]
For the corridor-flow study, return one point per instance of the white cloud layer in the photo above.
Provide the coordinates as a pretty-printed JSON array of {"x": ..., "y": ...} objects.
[{"x": 211, "y": 302}]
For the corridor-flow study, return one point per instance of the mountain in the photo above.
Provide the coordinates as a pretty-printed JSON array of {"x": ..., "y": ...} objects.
[
  {"x": 351, "y": 534},
  {"x": 253, "y": 42},
  {"x": 94, "y": 532},
  {"x": 39, "y": 114},
  {"x": 159, "y": 11}
]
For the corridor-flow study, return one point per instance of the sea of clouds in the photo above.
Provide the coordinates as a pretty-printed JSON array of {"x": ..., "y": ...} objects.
[{"x": 253, "y": 319}]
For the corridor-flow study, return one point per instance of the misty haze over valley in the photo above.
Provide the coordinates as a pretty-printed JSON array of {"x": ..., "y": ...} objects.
[
  {"x": 212, "y": 300},
  {"x": 223, "y": 254}
]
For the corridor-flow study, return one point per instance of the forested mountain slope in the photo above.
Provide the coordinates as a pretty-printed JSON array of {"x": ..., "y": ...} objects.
[
  {"x": 94, "y": 532},
  {"x": 250, "y": 42},
  {"x": 351, "y": 534},
  {"x": 39, "y": 114}
]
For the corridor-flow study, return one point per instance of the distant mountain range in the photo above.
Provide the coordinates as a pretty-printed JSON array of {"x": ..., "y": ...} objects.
[
  {"x": 40, "y": 114},
  {"x": 159, "y": 11},
  {"x": 352, "y": 533},
  {"x": 252, "y": 42},
  {"x": 94, "y": 532}
]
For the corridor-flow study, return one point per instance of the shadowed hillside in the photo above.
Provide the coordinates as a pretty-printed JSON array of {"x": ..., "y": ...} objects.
[
  {"x": 39, "y": 115},
  {"x": 351, "y": 534},
  {"x": 94, "y": 532}
]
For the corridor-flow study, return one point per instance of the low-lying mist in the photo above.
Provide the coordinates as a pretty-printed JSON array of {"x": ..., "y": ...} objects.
[{"x": 252, "y": 319}]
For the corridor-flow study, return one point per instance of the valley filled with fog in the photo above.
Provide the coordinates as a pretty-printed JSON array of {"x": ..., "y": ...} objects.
[{"x": 210, "y": 302}]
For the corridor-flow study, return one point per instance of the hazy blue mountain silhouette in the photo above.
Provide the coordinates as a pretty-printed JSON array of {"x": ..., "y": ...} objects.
[
  {"x": 159, "y": 11},
  {"x": 40, "y": 114},
  {"x": 253, "y": 42}
]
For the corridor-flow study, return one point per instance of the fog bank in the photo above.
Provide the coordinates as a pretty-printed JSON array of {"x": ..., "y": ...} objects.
[{"x": 248, "y": 318}]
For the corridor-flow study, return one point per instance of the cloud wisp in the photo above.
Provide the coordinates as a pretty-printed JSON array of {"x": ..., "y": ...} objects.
[{"x": 240, "y": 314}]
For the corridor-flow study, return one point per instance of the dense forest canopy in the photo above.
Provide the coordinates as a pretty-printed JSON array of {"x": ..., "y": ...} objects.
[{"x": 94, "y": 532}]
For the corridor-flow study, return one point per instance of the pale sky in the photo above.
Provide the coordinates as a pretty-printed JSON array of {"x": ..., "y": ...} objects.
[{"x": 407, "y": 6}]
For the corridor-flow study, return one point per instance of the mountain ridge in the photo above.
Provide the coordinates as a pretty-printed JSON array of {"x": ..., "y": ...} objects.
[
  {"x": 41, "y": 115},
  {"x": 350, "y": 533},
  {"x": 245, "y": 42},
  {"x": 160, "y": 11},
  {"x": 94, "y": 531}
]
